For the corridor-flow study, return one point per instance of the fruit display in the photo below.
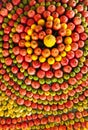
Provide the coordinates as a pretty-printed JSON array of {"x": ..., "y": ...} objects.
[{"x": 44, "y": 65}]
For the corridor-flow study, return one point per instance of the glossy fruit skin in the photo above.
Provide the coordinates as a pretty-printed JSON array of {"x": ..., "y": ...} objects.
[
  {"x": 43, "y": 84},
  {"x": 60, "y": 10},
  {"x": 74, "y": 62}
]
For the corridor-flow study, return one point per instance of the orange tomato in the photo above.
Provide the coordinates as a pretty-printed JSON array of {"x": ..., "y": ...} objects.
[
  {"x": 34, "y": 36},
  {"x": 46, "y": 53},
  {"x": 61, "y": 47},
  {"x": 37, "y": 51},
  {"x": 54, "y": 52},
  {"x": 34, "y": 44}
]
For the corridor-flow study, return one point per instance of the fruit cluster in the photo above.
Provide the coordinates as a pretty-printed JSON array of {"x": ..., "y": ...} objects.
[{"x": 44, "y": 65}]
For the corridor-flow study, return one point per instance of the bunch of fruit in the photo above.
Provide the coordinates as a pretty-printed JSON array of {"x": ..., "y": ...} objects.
[{"x": 44, "y": 65}]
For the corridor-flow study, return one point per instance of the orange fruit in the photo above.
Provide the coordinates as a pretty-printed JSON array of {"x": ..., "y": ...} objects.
[
  {"x": 34, "y": 44},
  {"x": 46, "y": 53},
  {"x": 61, "y": 47},
  {"x": 37, "y": 51},
  {"x": 34, "y": 36},
  {"x": 54, "y": 52}
]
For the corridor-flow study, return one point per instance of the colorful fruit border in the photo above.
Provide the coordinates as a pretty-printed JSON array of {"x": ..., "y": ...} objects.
[{"x": 44, "y": 65}]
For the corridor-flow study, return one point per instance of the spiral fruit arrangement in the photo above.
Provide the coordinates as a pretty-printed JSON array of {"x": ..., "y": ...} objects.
[{"x": 44, "y": 65}]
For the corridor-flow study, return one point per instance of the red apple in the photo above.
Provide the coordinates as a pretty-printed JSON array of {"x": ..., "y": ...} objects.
[
  {"x": 70, "y": 13},
  {"x": 41, "y": 74},
  {"x": 73, "y": 62},
  {"x": 60, "y": 10},
  {"x": 55, "y": 87},
  {"x": 16, "y": 38},
  {"x": 49, "y": 74},
  {"x": 15, "y": 2},
  {"x": 22, "y": 92},
  {"x": 45, "y": 66},
  {"x": 78, "y": 53},
  {"x": 31, "y": 71},
  {"x": 19, "y": 28},
  {"x": 70, "y": 55},
  {"x": 58, "y": 73},
  {"x": 69, "y": 104},
  {"x": 20, "y": 101},
  {"x": 64, "y": 61},
  {"x": 72, "y": 81},
  {"x": 35, "y": 84},
  {"x": 45, "y": 87},
  {"x": 27, "y": 103},
  {"x": 4, "y": 12},
  {"x": 8, "y": 61}
]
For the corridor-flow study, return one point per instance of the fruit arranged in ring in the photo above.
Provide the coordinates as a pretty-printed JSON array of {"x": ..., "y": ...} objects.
[{"x": 43, "y": 65}]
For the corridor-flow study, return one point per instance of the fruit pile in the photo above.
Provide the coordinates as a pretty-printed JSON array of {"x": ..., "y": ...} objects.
[{"x": 44, "y": 65}]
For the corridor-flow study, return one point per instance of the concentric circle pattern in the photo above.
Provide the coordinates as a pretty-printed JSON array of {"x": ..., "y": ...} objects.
[{"x": 44, "y": 65}]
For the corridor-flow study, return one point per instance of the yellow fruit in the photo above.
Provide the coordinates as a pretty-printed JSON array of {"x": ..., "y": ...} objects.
[
  {"x": 29, "y": 109},
  {"x": 65, "y": 91},
  {"x": 68, "y": 40},
  {"x": 9, "y": 16},
  {"x": 58, "y": 58},
  {"x": 71, "y": 122},
  {"x": 33, "y": 26},
  {"x": 42, "y": 59},
  {"x": 15, "y": 24},
  {"x": 29, "y": 50},
  {"x": 64, "y": 25},
  {"x": 68, "y": 32},
  {"x": 79, "y": 82},
  {"x": 29, "y": 32},
  {"x": 49, "y": 40},
  {"x": 27, "y": 37},
  {"x": 34, "y": 57},
  {"x": 85, "y": 129},
  {"x": 67, "y": 48},
  {"x": 6, "y": 114},
  {"x": 1, "y": 113},
  {"x": 85, "y": 101},
  {"x": 50, "y": 18},
  {"x": 63, "y": 53},
  {"x": 13, "y": 30},
  {"x": 27, "y": 44},
  {"x": 82, "y": 119},
  {"x": 47, "y": 93},
  {"x": 35, "y": 100},
  {"x": 41, "y": 22},
  {"x": 80, "y": 108},
  {"x": 13, "y": 115},
  {"x": 57, "y": 20},
  {"x": 51, "y": 60},
  {"x": 0, "y": 50},
  {"x": 65, "y": 110},
  {"x": 4, "y": 25},
  {"x": 11, "y": 101}
]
